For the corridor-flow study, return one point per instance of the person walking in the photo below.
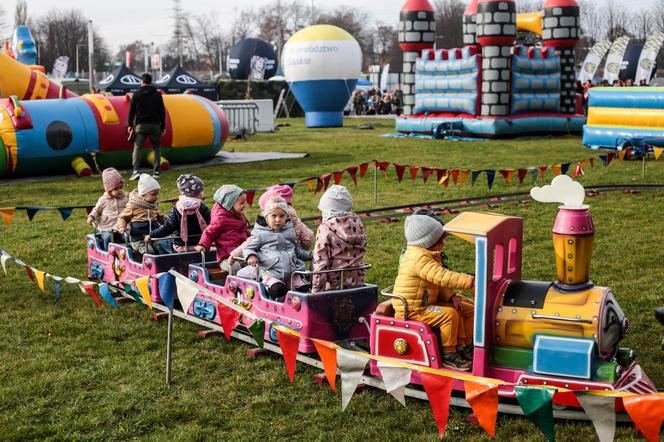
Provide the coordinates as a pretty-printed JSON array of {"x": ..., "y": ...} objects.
[{"x": 147, "y": 119}]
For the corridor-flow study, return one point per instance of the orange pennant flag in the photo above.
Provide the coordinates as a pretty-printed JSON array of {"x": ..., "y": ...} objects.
[
  {"x": 542, "y": 170},
  {"x": 508, "y": 174},
  {"x": 465, "y": 173},
  {"x": 657, "y": 151},
  {"x": 311, "y": 183},
  {"x": 7, "y": 215},
  {"x": 483, "y": 398},
  {"x": 556, "y": 169},
  {"x": 591, "y": 161},
  {"x": 622, "y": 154},
  {"x": 647, "y": 412},
  {"x": 328, "y": 356}
]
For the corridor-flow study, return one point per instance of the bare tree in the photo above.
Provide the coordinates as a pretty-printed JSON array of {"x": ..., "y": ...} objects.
[
  {"x": 529, "y": 5},
  {"x": 642, "y": 24},
  {"x": 615, "y": 18},
  {"x": 4, "y": 28},
  {"x": 355, "y": 22},
  {"x": 21, "y": 13},
  {"x": 449, "y": 23}
]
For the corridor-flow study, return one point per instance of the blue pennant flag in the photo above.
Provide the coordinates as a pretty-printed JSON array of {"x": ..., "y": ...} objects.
[
  {"x": 605, "y": 159},
  {"x": 32, "y": 211},
  {"x": 290, "y": 184},
  {"x": 106, "y": 294},
  {"x": 58, "y": 286},
  {"x": 167, "y": 288},
  {"x": 65, "y": 212},
  {"x": 490, "y": 175},
  {"x": 564, "y": 168}
]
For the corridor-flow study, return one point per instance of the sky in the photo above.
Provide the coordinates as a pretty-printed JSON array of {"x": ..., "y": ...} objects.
[{"x": 124, "y": 21}]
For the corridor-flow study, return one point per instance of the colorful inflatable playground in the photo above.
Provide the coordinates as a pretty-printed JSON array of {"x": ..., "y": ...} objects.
[{"x": 376, "y": 265}]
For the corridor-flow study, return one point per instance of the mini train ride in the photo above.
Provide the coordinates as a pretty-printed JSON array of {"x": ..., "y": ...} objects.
[{"x": 563, "y": 334}]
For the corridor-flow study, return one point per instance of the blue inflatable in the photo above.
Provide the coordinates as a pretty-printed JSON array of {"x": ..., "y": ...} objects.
[{"x": 23, "y": 46}]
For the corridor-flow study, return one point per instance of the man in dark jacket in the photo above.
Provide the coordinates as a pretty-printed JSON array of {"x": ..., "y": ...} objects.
[{"x": 147, "y": 119}]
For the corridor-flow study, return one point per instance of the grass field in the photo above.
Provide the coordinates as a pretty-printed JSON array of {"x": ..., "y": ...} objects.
[{"x": 71, "y": 372}]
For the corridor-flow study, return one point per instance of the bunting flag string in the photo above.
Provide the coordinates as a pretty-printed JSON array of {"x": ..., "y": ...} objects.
[
  {"x": 602, "y": 413},
  {"x": 352, "y": 366}
]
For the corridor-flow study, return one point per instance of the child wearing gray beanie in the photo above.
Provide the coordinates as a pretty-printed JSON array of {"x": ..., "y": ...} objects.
[{"x": 428, "y": 288}]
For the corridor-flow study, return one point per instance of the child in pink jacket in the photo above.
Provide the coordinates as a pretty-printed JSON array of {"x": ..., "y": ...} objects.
[
  {"x": 341, "y": 242},
  {"x": 110, "y": 205}
]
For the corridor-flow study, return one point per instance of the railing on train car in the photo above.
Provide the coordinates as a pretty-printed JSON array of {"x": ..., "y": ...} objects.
[
  {"x": 242, "y": 117},
  {"x": 387, "y": 292},
  {"x": 306, "y": 273}
]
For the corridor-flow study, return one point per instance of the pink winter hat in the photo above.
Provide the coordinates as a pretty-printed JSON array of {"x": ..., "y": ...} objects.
[
  {"x": 112, "y": 179},
  {"x": 282, "y": 190}
]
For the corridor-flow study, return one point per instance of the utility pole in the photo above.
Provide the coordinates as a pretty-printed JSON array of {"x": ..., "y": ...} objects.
[{"x": 90, "y": 52}]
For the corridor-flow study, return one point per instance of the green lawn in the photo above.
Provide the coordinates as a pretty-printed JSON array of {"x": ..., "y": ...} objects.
[{"x": 71, "y": 372}]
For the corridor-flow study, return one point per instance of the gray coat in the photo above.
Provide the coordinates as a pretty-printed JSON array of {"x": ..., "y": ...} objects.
[{"x": 277, "y": 252}]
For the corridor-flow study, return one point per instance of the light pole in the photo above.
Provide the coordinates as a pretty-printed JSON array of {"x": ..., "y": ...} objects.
[
  {"x": 78, "y": 45},
  {"x": 90, "y": 52}
]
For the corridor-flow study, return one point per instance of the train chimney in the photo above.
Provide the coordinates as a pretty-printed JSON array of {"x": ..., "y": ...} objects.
[{"x": 573, "y": 231}]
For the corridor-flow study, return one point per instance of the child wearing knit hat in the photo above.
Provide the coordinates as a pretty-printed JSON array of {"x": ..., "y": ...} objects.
[
  {"x": 304, "y": 234},
  {"x": 228, "y": 226},
  {"x": 275, "y": 248},
  {"x": 109, "y": 205},
  {"x": 428, "y": 288},
  {"x": 188, "y": 218},
  {"x": 141, "y": 216},
  {"x": 341, "y": 242}
]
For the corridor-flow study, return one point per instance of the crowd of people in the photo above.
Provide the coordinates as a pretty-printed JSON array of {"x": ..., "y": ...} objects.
[
  {"x": 278, "y": 245},
  {"x": 583, "y": 88},
  {"x": 377, "y": 102}
]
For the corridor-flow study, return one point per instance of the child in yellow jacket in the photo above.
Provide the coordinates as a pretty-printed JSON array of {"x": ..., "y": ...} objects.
[{"x": 428, "y": 288}]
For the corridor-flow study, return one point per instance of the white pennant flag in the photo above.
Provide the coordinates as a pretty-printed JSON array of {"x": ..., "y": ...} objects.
[
  {"x": 395, "y": 378},
  {"x": 602, "y": 413},
  {"x": 71, "y": 280},
  {"x": 351, "y": 366},
  {"x": 3, "y": 259},
  {"x": 186, "y": 293}
]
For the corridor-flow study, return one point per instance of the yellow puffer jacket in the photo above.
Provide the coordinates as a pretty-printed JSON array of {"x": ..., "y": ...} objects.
[{"x": 423, "y": 280}]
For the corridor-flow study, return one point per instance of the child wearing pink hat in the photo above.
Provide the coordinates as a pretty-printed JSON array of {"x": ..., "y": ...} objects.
[
  {"x": 304, "y": 235},
  {"x": 109, "y": 205}
]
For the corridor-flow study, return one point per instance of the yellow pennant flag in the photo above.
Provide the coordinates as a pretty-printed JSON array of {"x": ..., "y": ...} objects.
[
  {"x": 465, "y": 173},
  {"x": 40, "y": 276},
  {"x": 658, "y": 152},
  {"x": 7, "y": 215},
  {"x": 445, "y": 180},
  {"x": 143, "y": 286},
  {"x": 556, "y": 169}
]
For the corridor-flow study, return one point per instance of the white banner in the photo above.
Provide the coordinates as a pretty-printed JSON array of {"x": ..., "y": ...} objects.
[
  {"x": 60, "y": 67},
  {"x": 648, "y": 57},
  {"x": 593, "y": 60},
  {"x": 384, "y": 77},
  {"x": 615, "y": 59}
]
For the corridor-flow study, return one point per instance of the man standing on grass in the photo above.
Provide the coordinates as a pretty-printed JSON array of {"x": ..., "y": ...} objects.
[{"x": 147, "y": 119}]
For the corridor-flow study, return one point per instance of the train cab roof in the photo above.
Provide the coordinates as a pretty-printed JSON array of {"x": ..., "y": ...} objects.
[{"x": 469, "y": 225}]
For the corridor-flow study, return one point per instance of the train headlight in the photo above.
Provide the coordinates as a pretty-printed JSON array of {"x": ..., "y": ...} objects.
[{"x": 401, "y": 346}]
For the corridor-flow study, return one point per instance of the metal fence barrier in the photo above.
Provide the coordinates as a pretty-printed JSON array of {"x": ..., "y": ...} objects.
[{"x": 242, "y": 117}]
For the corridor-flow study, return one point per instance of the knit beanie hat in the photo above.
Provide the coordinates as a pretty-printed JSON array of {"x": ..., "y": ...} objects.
[
  {"x": 274, "y": 203},
  {"x": 190, "y": 185},
  {"x": 282, "y": 190},
  {"x": 227, "y": 194},
  {"x": 147, "y": 184},
  {"x": 112, "y": 179},
  {"x": 422, "y": 230},
  {"x": 336, "y": 198}
]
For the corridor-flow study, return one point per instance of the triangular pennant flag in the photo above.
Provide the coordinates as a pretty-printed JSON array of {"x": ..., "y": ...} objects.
[
  {"x": 328, "y": 356},
  {"x": 400, "y": 168},
  {"x": 250, "y": 194},
  {"x": 564, "y": 168},
  {"x": 578, "y": 170},
  {"x": 508, "y": 175},
  {"x": 445, "y": 180},
  {"x": 3, "y": 260},
  {"x": 413, "y": 172},
  {"x": 537, "y": 406},
  {"x": 167, "y": 289},
  {"x": 647, "y": 412},
  {"x": 70, "y": 280},
  {"x": 143, "y": 287},
  {"x": 522, "y": 175},
  {"x": 439, "y": 390},
  {"x": 352, "y": 171},
  {"x": 90, "y": 290},
  {"x": 610, "y": 158},
  {"x": 338, "y": 176},
  {"x": 490, "y": 176},
  {"x": 605, "y": 159},
  {"x": 658, "y": 152},
  {"x": 556, "y": 169},
  {"x": 130, "y": 292},
  {"x": 602, "y": 413},
  {"x": 65, "y": 212},
  {"x": 455, "y": 176},
  {"x": 474, "y": 175},
  {"x": 31, "y": 211},
  {"x": 326, "y": 180},
  {"x": 395, "y": 379},
  {"x": 7, "y": 215},
  {"x": 426, "y": 173},
  {"x": 289, "y": 344},
  {"x": 440, "y": 173},
  {"x": 364, "y": 167},
  {"x": 621, "y": 154},
  {"x": 229, "y": 318},
  {"x": 542, "y": 172},
  {"x": 257, "y": 329},
  {"x": 351, "y": 366},
  {"x": 533, "y": 174},
  {"x": 105, "y": 293},
  {"x": 290, "y": 184},
  {"x": 311, "y": 183},
  {"x": 58, "y": 286},
  {"x": 40, "y": 278},
  {"x": 382, "y": 165},
  {"x": 88, "y": 209},
  {"x": 319, "y": 185},
  {"x": 186, "y": 292},
  {"x": 483, "y": 399},
  {"x": 464, "y": 176},
  {"x": 29, "y": 272},
  {"x": 591, "y": 161}
]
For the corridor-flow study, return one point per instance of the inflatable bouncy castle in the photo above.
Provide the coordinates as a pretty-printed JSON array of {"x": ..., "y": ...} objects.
[{"x": 492, "y": 87}]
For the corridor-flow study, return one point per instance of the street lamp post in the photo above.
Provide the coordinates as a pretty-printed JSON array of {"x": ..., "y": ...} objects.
[{"x": 78, "y": 45}]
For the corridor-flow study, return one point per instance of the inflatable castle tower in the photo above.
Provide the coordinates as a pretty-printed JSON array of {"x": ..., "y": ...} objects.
[{"x": 493, "y": 87}]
